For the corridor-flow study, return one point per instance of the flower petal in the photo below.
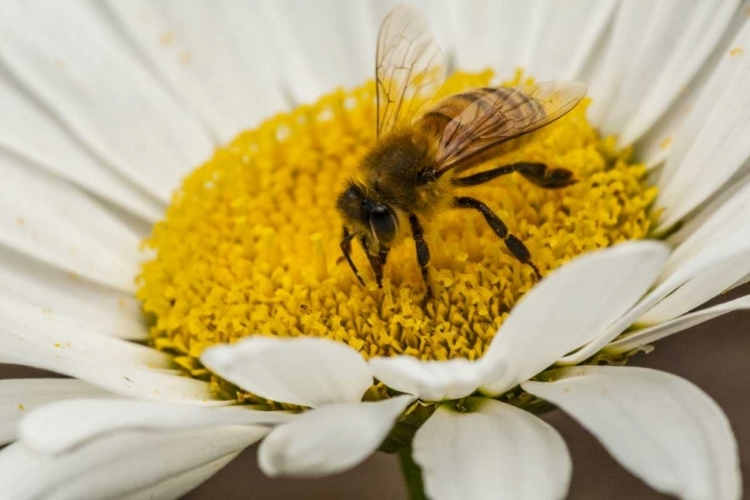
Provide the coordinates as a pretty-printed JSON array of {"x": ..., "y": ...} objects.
[
  {"x": 310, "y": 64},
  {"x": 80, "y": 420},
  {"x": 655, "y": 50},
  {"x": 704, "y": 26},
  {"x": 633, "y": 340},
  {"x": 119, "y": 464},
  {"x": 479, "y": 42},
  {"x": 660, "y": 427},
  {"x": 213, "y": 56},
  {"x": 301, "y": 371},
  {"x": 69, "y": 299},
  {"x": 720, "y": 219},
  {"x": 576, "y": 35},
  {"x": 177, "y": 486},
  {"x": 607, "y": 283},
  {"x": 431, "y": 380},
  {"x": 68, "y": 229},
  {"x": 716, "y": 133},
  {"x": 19, "y": 396},
  {"x": 34, "y": 136},
  {"x": 493, "y": 451},
  {"x": 330, "y": 439},
  {"x": 700, "y": 278},
  {"x": 701, "y": 288},
  {"x": 75, "y": 62},
  {"x": 29, "y": 337},
  {"x": 655, "y": 146}
]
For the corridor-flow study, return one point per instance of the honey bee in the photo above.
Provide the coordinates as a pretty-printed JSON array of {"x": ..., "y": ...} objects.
[{"x": 423, "y": 150}]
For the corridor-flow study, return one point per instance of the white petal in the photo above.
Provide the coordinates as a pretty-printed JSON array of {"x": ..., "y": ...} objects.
[
  {"x": 575, "y": 29},
  {"x": 431, "y": 380},
  {"x": 660, "y": 427},
  {"x": 19, "y": 396},
  {"x": 497, "y": 34},
  {"x": 656, "y": 145},
  {"x": 35, "y": 136},
  {"x": 29, "y": 337},
  {"x": 228, "y": 78},
  {"x": 56, "y": 223},
  {"x": 493, "y": 451},
  {"x": 716, "y": 133},
  {"x": 711, "y": 260},
  {"x": 655, "y": 50},
  {"x": 720, "y": 219},
  {"x": 74, "y": 60},
  {"x": 571, "y": 307},
  {"x": 700, "y": 278},
  {"x": 651, "y": 334},
  {"x": 67, "y": 298},
  {"x": 177, "y": 486},
  {"x": 706, "y": 23},
  {"x": 700, "y": 289},
  {"x": 330, "y": 439},
  {"x": 302, "y": 371},
  {"x": 119, "y": 464},
  {"x": 79, "y": 420},
  {"x": 740, "y": 282},
  {"x": 311, "y": 64}
]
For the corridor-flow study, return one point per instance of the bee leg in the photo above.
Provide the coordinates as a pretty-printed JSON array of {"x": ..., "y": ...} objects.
[
  {"x": 542, "y": 176},
  {"x": 538, "y": 173},
  {"x": 512, "y": 243},
  {"x": 346, "y": 249},
  {"x": 376, "y": 262},
  {"x": 423, "y": 252},
  {"x": 347, "y": 241}
]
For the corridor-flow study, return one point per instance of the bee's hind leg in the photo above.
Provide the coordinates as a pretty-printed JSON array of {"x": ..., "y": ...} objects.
[
  {"x": 423, "y": 252},
  {"x": 543, "y": 176},
  {"x": 538, "y": 173},
  {"x": 512, "y": 243}
]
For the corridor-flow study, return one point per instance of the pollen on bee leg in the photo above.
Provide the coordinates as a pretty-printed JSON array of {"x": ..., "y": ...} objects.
[{"x": 250, "y": 243}]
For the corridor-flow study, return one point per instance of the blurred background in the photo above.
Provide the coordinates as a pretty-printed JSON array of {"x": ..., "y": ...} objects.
[{"x": 715, "y": 356}]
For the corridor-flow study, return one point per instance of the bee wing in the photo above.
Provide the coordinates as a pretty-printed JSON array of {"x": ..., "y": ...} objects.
[
  {"x": 409, "y": 67},
  {"x": 495, "y": 116}
]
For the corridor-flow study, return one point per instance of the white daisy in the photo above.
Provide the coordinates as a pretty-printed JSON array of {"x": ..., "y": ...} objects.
[{"x": 114, "y": 103}]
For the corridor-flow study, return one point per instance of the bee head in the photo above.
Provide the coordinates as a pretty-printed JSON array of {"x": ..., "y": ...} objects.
[{"x": 376, "y": 220}]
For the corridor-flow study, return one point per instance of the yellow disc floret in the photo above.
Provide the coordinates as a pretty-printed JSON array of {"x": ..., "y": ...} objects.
[{"x": 250, "y": 243}]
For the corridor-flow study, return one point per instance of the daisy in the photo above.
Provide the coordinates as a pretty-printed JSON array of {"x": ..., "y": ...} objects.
[{"x": 254, "y": 332}]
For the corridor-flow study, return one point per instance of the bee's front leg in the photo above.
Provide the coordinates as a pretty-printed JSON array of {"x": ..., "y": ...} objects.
[
  {"x": 346, "y": 250},
  {"x": 376, "y": 262},
  {"x": 423, "y": 252}
]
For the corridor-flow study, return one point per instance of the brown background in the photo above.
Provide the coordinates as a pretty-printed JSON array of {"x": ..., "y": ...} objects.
[{"x": 714, "y": 355}]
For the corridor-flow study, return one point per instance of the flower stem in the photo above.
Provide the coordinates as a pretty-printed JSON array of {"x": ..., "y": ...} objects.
[{"x": 412, "y": 475}]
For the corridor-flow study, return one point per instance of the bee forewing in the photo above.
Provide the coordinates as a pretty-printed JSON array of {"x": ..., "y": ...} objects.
[
  {"x": 492, "y": 117},
  {"x": 557, "y": 97},
  {"x": 409, "y": 67}
]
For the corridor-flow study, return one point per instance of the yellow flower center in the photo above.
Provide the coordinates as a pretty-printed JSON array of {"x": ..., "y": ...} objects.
[{"x": 250, "y": 244}]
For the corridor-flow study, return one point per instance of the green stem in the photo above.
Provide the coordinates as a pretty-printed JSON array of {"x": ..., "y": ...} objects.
[{"x": 412, "y": 475}]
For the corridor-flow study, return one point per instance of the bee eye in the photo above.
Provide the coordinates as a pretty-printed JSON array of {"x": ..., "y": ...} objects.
[{"x": 383, "y": 223}]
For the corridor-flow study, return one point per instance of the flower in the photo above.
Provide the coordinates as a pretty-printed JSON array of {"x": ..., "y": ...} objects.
[{"x": 71, "y": 311}]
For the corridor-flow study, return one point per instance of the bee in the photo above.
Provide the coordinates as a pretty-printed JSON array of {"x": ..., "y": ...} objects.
[{"x": 424, "y": 149}]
